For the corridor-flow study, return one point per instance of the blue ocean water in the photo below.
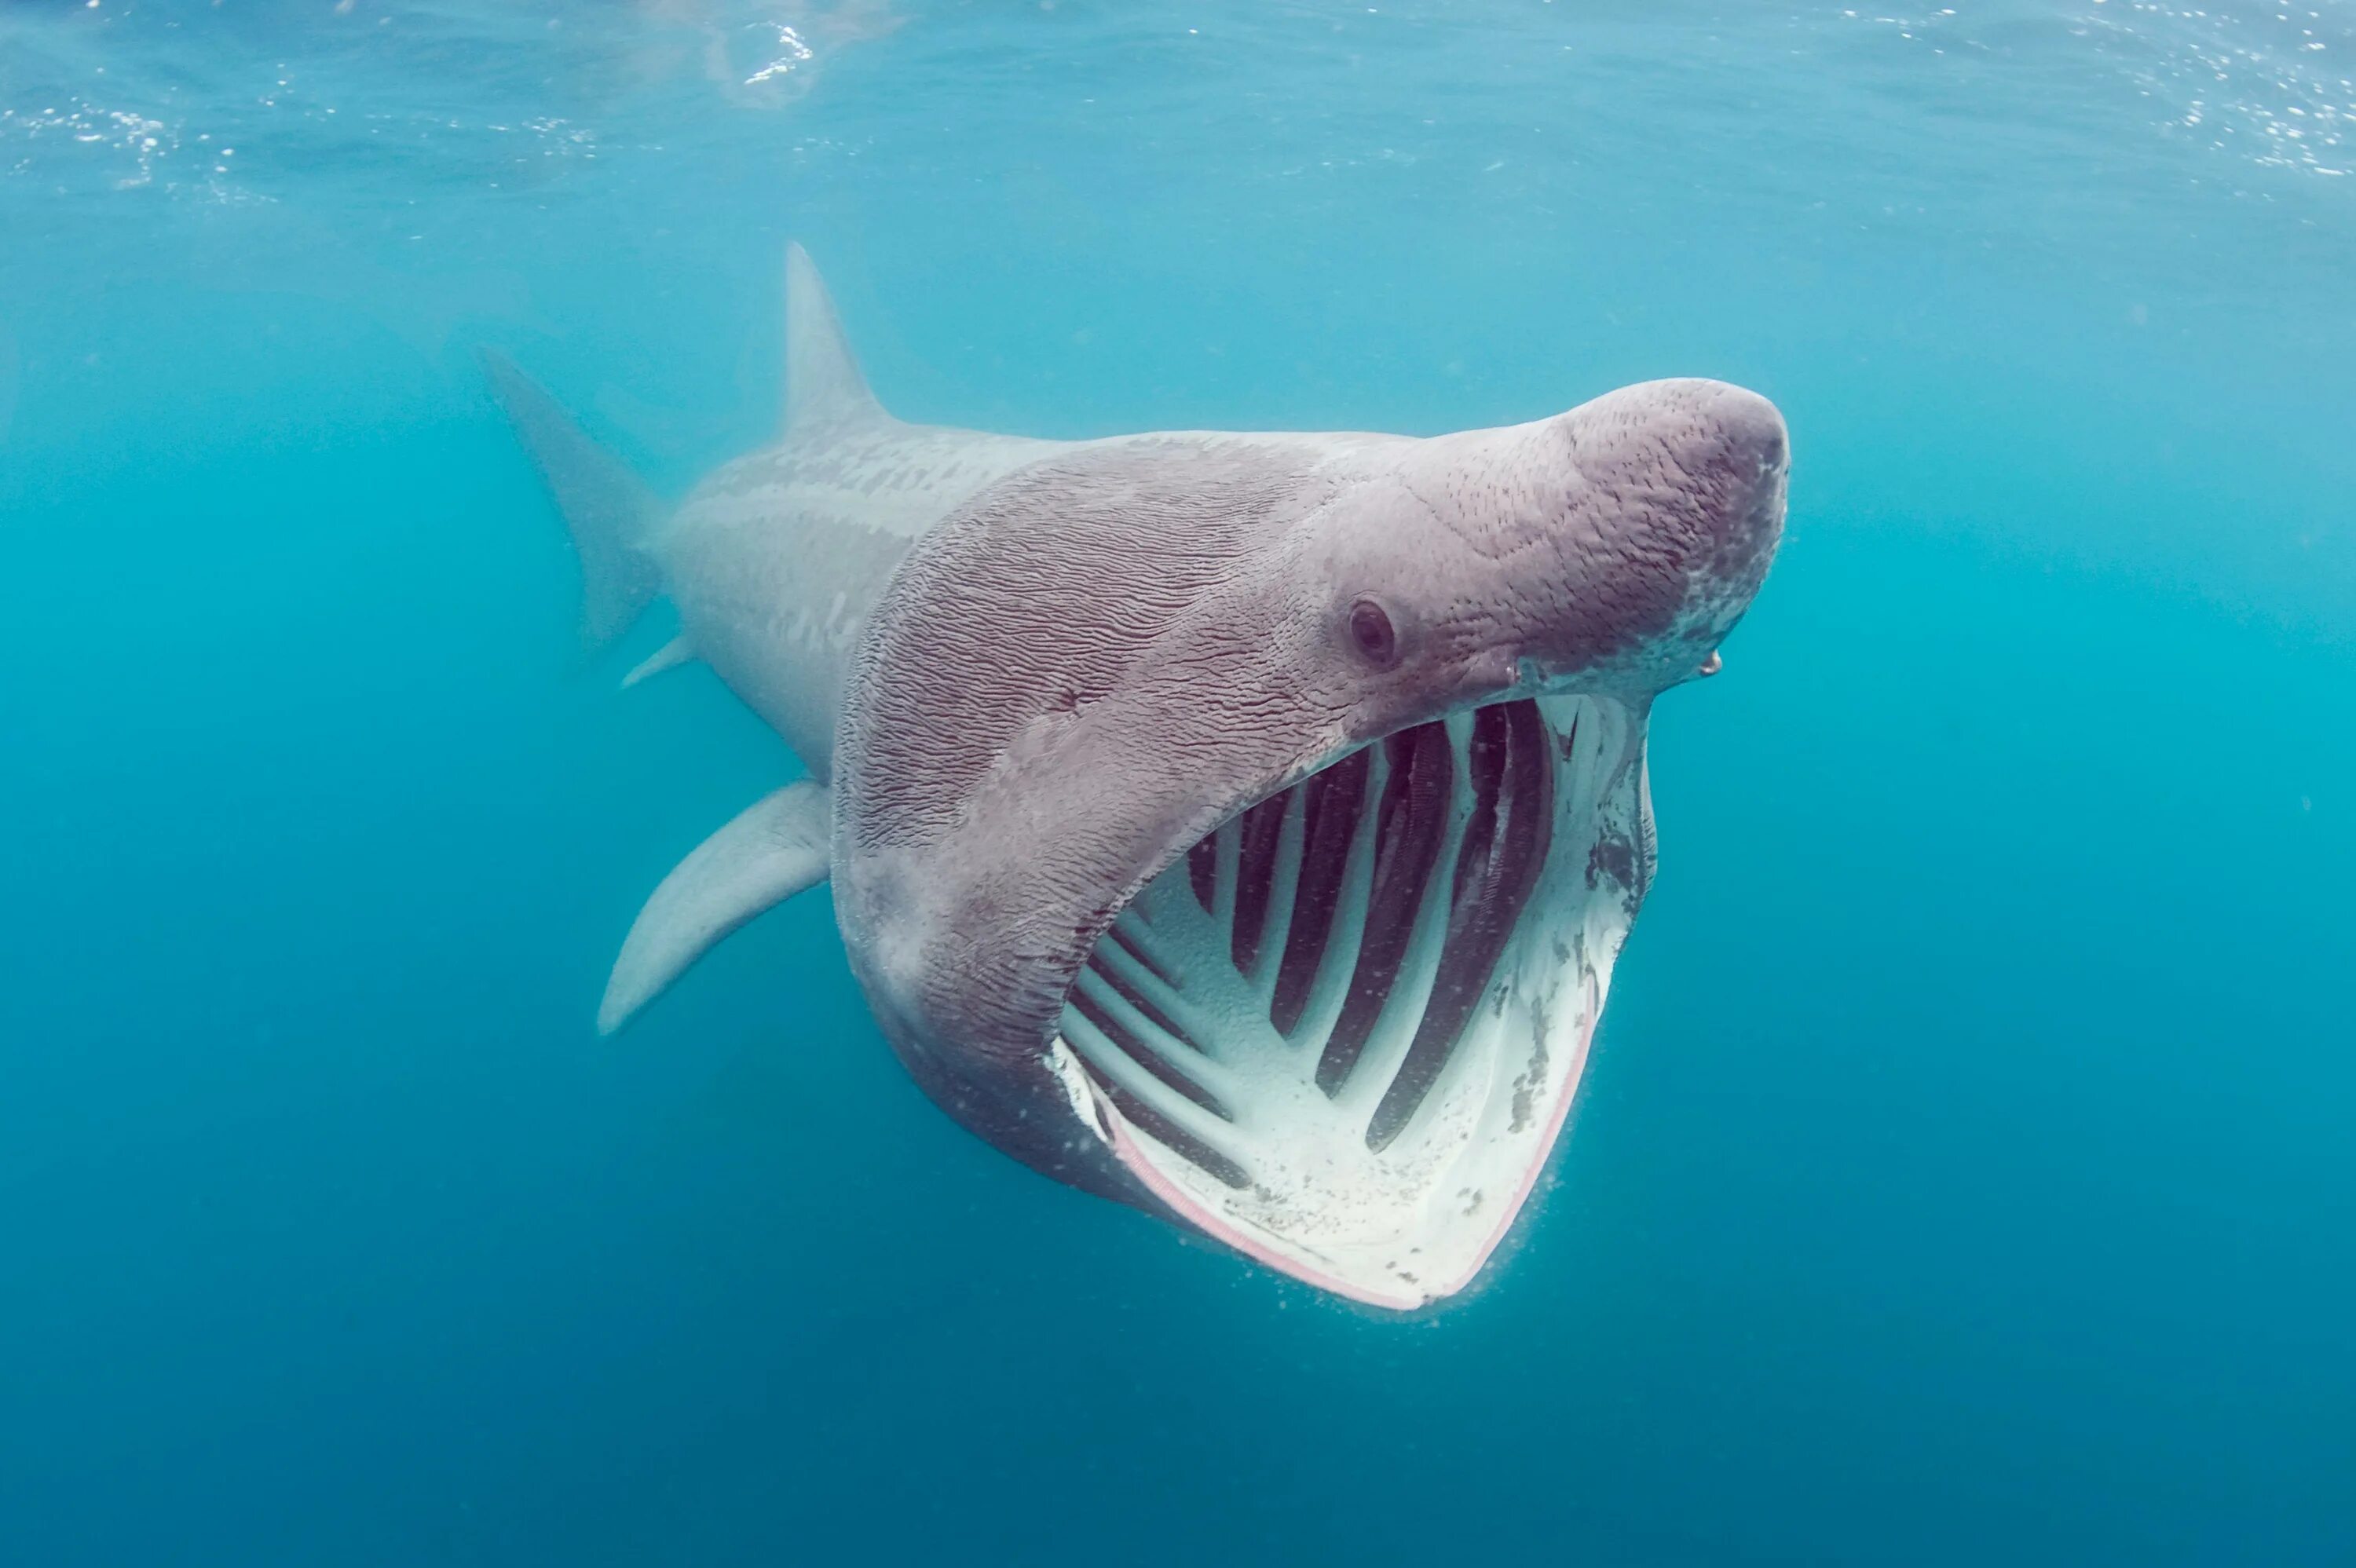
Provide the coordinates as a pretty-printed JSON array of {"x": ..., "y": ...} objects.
[{"x": 1967, "y": 1170}]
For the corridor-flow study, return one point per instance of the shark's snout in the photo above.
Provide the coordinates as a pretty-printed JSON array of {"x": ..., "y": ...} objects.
[
  {"x": 1734, "y": 444},
  {"x": 1747, "y": 429},
  {"x": 1676, "y": 508},
  {"x": 1704, "y": 461}
]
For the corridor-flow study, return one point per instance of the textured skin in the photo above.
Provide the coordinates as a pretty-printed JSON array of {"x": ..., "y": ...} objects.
[
  {"x": 1135, "y": 639},
  {"x": 775, "y": 558},
  {"x": 1037, "y": 672}
]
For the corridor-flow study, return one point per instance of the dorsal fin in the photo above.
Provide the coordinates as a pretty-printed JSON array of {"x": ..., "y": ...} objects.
[{"x": 823, "y": 385}]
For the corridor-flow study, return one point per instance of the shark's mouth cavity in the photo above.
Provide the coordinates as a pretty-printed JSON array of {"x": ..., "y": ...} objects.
[{"x": 1341, "y": 1033}]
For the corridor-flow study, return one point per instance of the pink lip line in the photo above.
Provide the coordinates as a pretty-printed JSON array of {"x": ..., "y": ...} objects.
[
  {"x": 1125, "y": 1149},
  {"x": 1219, "y": 1230}
]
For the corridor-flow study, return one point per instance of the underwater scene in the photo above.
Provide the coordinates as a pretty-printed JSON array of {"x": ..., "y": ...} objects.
[{"x": 1068, "y": 782}]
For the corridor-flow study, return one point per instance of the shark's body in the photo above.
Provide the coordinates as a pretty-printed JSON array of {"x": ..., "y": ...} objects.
[
  {"x": 1240, "y": 825},
  {"x": 775, "y": 561}
]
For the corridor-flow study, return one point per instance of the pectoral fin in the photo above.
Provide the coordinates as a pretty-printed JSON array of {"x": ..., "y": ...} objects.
[
  {"x": 770, "y": 852},
  {"x": 670, "y": 655}
]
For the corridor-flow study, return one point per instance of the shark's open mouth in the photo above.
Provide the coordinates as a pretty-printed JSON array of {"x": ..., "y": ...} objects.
[{"x": 1341, "y": 1034}]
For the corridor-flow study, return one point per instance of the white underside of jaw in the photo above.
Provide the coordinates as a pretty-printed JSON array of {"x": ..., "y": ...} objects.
[{"x": 1282, "y": 1168}]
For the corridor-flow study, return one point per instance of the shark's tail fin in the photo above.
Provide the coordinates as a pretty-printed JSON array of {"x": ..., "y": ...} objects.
[{"x": 608, "y": 509}]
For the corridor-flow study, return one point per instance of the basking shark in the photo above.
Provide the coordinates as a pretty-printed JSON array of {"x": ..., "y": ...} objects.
[{"x": 1240, "y": 827}]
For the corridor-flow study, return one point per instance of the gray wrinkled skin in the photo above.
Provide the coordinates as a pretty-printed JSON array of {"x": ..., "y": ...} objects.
[
  {"x": 1097, "y": 658},
  {"x": 776, "y": 559},
  {"x": 1034, "y": 674}
]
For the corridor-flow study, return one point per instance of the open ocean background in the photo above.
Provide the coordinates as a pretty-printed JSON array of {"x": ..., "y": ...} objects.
[{"x": 1967, "y": 1173}]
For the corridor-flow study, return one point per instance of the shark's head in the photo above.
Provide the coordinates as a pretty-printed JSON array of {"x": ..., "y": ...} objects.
[{"x": 1243, "y": 827}]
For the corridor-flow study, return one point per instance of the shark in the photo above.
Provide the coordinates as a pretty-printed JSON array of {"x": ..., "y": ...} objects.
[{"x": 1242, "y": 827}]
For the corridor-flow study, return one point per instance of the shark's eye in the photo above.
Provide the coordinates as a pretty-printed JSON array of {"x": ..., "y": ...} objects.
[{"x": 1371, "y": 635}]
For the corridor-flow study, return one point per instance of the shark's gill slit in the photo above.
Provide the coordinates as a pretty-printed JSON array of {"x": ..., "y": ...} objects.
[
  {"x": 1203, "y": 870},
  {"x": 1256, "y": 876},
  {"x": 1144, "y": 959},
  {"x": 1334, "y": 799},
  {"x": 1129, "y": 1037},
  {"x": 1409, "y": 827},
  {"x": 1283, "y": 896},
  {"x": 1155, "y": 1125},
  {"x": 1108, "y": 973}
]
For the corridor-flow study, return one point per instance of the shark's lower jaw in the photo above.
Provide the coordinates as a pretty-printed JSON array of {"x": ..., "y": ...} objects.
[{"x": 1343, "y": 1033}]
